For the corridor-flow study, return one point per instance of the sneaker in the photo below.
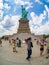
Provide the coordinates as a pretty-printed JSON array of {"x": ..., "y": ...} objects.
[{"x": 27, "y": 59}]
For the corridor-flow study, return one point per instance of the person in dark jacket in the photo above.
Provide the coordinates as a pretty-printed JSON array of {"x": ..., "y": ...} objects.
[{"x": 29, "y": 48}]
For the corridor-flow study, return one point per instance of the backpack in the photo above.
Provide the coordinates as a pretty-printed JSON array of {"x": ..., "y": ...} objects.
[{"x": 31, "y": 44}]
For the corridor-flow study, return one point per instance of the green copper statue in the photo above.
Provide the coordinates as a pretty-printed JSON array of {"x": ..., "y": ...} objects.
[{"x": 24, "y": 13}]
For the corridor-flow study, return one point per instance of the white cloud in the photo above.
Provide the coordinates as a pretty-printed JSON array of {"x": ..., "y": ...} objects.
[
  {"x": 12, "y": 29},
  {"x": 14, "y": 19},
  {"x": 6, "y": 0},
  {"x": 37, "y": 19},
  {"x": 7, "y": 32},
  {"x": 47, "y": 9},
  {"x": 21, "y": 2},
  {"x": 29, "y": 6},
  {"x": 7, "y": 6},
  {"x": 1, "y": 27},
  {"x": 43, "y": 29},
  {"x": 1, "y": 1},
  {"x": 38, "y": 1},
  {"x": 5, "y": 20},
  {"x": 1, "y": 30},
  {"x": 1, "y": 5},
  {"x": 47, "y": 0},
  {"x": 1, "y": 14}
]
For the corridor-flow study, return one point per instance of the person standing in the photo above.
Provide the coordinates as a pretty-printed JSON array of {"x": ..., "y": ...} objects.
[
  {"x": 18, "y": 42},
  {"x": 14, "y": 45},
  {"x": 29, "y": 48},
  {"x": 0, "y": 42},
  {"x": 37, "y": 42},
  {"x": 47, "y": 50},
  {"x": 10, "y": 41},
  {"x": 41, "y": 47}
]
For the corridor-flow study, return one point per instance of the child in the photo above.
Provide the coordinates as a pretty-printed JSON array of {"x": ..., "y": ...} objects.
[{"x": 14, "y": 45}]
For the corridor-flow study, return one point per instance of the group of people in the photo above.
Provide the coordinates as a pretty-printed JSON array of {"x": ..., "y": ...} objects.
[
  {"x": 15, "y": 43},
  {"x": 30, "y": 45},
  {"x": 18, "y": 42},
  {"x": 42, "y": 44}
]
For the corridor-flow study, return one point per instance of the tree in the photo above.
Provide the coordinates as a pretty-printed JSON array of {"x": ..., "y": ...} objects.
[{"x": 45, "y": 36}]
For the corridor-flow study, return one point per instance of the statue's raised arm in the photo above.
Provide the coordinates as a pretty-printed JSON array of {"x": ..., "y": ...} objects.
[{"x": 24, "y": 12}]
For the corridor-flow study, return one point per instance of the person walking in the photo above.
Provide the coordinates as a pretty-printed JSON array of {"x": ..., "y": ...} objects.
[{"x": 29, "y": 48}]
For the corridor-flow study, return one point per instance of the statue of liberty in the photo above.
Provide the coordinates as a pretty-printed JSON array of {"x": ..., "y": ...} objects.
[{"x": 24, "y": 12}]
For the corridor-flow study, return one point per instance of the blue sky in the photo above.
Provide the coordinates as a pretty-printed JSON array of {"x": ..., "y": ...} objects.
[{"x": 38, "y": 15}]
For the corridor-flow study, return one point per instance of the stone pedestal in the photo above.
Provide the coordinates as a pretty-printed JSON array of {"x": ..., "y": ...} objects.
[{"x": 23, "y": 26}]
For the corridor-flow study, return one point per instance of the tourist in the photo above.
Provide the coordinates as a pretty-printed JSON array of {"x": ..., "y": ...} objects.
[
  {"x": 41, "y": 47},
  {"x": 47, "y": 50},
  {"x": 0, "y": 42},
  {"x": 29, "y": 48},
  {"x": 14, "y": 45},
  {"x": 18, "y": 41},
  {"x": 10, "y": 42},
  {"x": 37, "y": 42}
]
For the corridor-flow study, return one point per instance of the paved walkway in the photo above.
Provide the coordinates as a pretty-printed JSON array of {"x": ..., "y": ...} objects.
[{"x": 7, "y": 57}]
